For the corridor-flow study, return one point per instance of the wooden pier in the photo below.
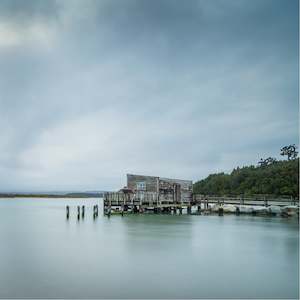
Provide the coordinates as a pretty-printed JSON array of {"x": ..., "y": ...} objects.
[
  {"x": 140, "y": 202},
  {"x": 164, "y": 195}
]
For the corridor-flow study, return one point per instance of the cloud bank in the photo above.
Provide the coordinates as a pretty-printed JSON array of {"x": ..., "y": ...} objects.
[{"x": 91, "y": 90}]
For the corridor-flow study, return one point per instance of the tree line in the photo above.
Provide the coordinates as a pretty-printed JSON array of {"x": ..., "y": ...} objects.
[{"x": 270, "y": 176}]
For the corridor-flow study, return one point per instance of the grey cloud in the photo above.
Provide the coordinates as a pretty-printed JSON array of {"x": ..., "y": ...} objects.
[{"x": 23, "y": 12}]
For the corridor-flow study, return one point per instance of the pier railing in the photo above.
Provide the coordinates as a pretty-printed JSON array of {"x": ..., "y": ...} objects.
[
  {"x": 264, "y": 200},
  {"x": 151, "y": 199}
]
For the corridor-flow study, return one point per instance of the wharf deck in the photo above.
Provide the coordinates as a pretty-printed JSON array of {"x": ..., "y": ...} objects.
[{"x": 139, "y": 202}]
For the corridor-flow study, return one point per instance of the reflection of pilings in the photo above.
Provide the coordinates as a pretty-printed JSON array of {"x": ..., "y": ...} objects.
[
  {"x": 68, "y": 211},
  {"x": 78, "y": 212}
]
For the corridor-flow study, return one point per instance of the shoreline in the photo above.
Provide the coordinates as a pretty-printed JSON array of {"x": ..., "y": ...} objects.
[{"x": 49, "y": 196}]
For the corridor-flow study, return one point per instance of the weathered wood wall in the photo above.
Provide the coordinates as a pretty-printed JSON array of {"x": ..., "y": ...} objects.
[
  {"x": 186, "y": 187},
  {"x": 169, "y": 189},
  {"x": 150, "y": 181}
]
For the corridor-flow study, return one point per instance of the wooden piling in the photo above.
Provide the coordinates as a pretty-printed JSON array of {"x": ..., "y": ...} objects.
[
  {"x": 199, "y": 209},
  {"x": 82, "y": 211},
  {"x": 78, "y": 212},
  {"x": 68, "y": 211},
  {"x": 221, "y": 211}
]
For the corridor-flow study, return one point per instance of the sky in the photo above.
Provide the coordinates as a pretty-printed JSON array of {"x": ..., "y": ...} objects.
[{"x": 93, "y": 90}]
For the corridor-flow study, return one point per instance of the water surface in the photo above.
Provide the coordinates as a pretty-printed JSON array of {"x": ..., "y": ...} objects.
[{"x": 143, "y": 256}]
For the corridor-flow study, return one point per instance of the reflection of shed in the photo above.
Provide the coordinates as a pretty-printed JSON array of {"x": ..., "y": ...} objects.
[{"x": 171, "y": 190}]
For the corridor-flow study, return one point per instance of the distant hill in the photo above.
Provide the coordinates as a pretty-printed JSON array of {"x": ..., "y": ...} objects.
[
  {"x": 279, "y": 178},
  {"x": 93, "y": 194}
]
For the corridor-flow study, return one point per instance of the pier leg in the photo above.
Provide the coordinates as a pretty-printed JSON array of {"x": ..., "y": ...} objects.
[
  {"x": 78, "y": 212},
  {"x": 199, "y": 209},
  {"x": 237, "y": 212},
  {"x": 221, "y": 211},
  {"x": 82, "y": 211},
  {"x": 180, "y": 210},
  {"x": 68, "y": 211}
]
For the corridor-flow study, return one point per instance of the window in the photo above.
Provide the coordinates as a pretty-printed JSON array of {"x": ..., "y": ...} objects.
[{"x": 141, "y": 186}]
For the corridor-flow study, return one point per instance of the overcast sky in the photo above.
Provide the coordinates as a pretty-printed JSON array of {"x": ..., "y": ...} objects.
[{"x": 92, "y": 90}]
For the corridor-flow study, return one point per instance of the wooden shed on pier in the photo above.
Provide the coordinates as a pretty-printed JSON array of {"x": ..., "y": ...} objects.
[{"x": 170, "y": 190}]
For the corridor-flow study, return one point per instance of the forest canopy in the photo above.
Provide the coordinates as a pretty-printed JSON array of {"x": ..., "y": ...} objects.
[{"x": 274, "y": 177}]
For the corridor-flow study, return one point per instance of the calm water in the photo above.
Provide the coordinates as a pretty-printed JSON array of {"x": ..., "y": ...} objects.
[{"x": 143, "y": 256}]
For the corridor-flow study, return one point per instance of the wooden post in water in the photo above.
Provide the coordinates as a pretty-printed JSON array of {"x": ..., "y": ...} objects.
[
  {"x": 82, "y": 211},
  {"x": 237, "y": 211},
  {"x": 78, "y": 212},
  {"x": 220, "y": 211},
  {"x": 199, "y": 209},
  {"x": 68, "y": 211},
  {"x": 180, "y": 210}
]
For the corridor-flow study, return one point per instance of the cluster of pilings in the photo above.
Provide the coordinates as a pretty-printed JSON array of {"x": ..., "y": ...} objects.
[{"x": 81, "y": 212}]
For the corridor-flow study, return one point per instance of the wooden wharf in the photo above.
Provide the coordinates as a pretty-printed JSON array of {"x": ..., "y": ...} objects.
[{"x": 140, "y": 202}]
